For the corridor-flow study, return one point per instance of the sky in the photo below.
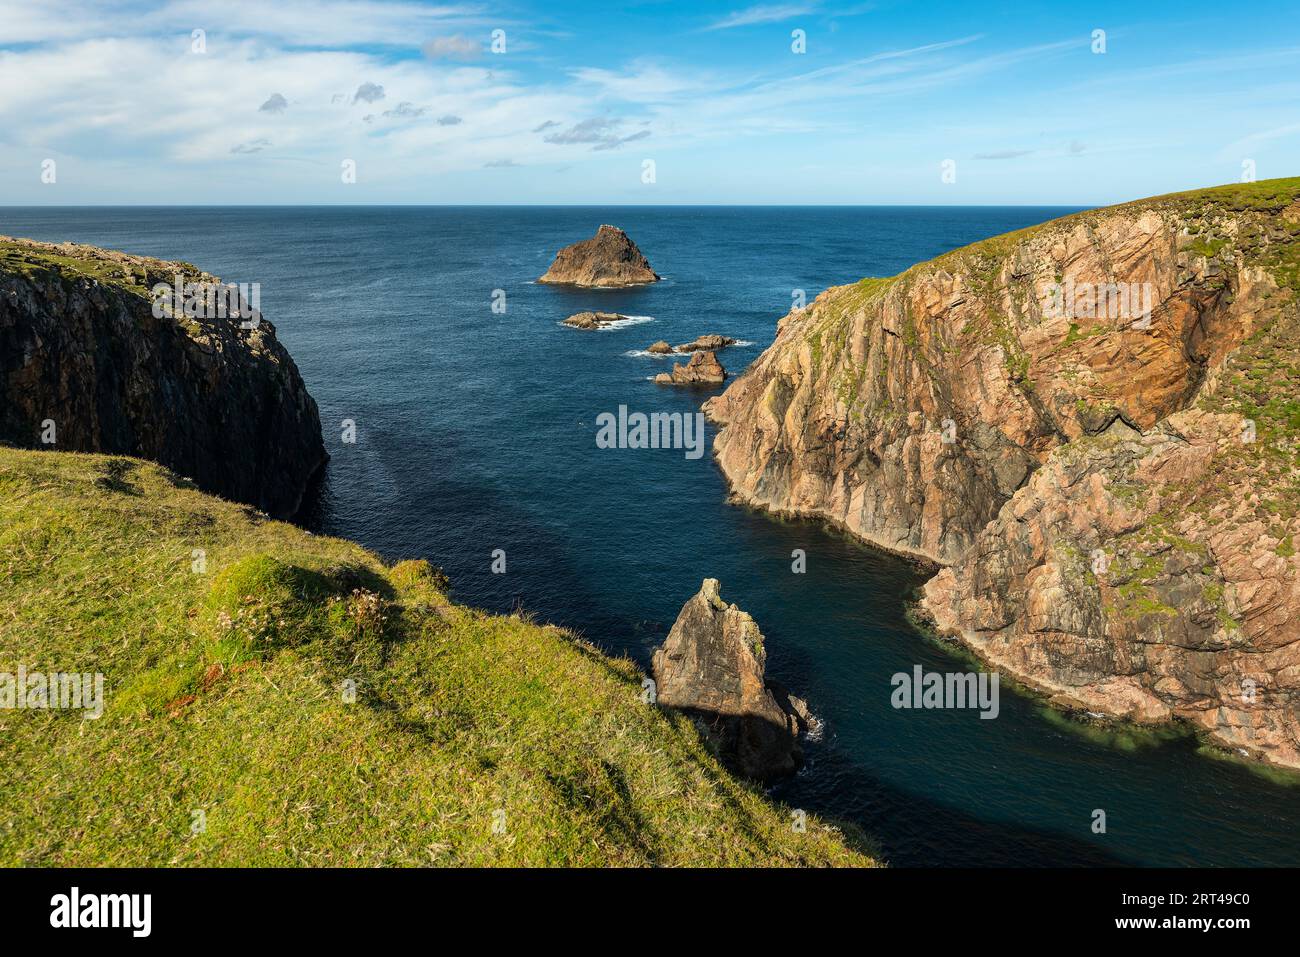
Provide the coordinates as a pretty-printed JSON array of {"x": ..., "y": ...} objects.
[{"x": 195, "y": 102}]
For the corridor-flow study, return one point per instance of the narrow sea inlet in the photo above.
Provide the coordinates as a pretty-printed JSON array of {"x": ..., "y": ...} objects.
[{"x": 477, "y": 431}]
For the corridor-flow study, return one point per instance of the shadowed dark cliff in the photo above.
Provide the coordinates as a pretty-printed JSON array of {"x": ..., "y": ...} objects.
[{"x": 89, "y": 364}]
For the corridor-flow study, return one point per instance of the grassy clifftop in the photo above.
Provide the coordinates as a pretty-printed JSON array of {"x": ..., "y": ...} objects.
[{"x": 472, "y": 740}]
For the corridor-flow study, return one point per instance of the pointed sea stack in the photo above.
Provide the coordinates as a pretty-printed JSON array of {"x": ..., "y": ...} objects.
[
  {"x": 608, "y": 259},
  {"x": 712, "y": 666}
]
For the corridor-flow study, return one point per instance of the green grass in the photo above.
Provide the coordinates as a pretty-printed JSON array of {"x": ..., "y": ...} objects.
[
  {"x": 225, "y": 694},
  {"x": 136, "y": 274}
]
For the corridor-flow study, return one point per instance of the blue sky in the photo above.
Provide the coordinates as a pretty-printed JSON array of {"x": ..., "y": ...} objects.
[{"x": 280, "y": 95}]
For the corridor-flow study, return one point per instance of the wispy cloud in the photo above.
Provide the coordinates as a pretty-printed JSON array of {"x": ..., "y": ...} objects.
[
  {"x": 252, "y": 146},
  {"x": 602, "y": 132},
  {"x": 762, "y": 13},
  {"x": 275, "y": 103},
  {"x": 307, "y": 23},
  {"x": 1003, "y": 154},
  {"x": 311, "y": 82}
]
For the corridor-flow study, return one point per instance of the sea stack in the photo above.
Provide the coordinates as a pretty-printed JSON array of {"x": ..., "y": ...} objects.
[
  {"x": 608, "y": 260},
  {"x": 703, "y": 369},
  {"x": 99, "y": 352},
  {"x": 712, "y": 666}
]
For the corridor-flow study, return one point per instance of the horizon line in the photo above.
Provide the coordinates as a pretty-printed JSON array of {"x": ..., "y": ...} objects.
[{"x": 1053, "y": 205}]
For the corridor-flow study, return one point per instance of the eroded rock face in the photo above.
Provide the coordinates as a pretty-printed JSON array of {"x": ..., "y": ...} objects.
[
  {"x": 80, "y": 347},
  {"x": 909, "y": 409},
  {"x": 955, "y": 414},
  {"x": 1144, "y": 576},
  {"x": 712, "y": 665},
  {"x": 703, "y": 369},
  {"x": 609, "y": 258}
]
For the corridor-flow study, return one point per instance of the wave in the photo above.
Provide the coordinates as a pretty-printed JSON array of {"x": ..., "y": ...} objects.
[{"x": 626, "y": 321}]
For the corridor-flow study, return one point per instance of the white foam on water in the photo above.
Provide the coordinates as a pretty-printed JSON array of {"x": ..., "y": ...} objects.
[
  {"x": 646, "y": 354},
  {"x": 616, "y": 324},
  {"x": 625, "y": 322}
]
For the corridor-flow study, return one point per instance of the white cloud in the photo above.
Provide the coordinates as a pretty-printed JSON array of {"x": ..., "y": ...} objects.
[
  {"x": 763, "y": 13},
  {"x": 267, "y": 113},
  {"x": 308, "y": 23}
]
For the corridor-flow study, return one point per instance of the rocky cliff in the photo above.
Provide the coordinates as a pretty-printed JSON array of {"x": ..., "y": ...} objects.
[
  {"x": 87, "y": 365},
  {"x": 1091, "y": 427}
]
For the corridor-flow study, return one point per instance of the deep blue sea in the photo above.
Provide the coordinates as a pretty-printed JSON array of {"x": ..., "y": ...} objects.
[{"x": 476, "y": 431}]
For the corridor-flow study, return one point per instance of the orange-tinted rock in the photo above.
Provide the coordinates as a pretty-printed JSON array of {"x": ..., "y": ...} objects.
[
  {"x": 703, "y": 369},
  {"x": 609, "y": 258},
  {"x": 957, "y": 414}
]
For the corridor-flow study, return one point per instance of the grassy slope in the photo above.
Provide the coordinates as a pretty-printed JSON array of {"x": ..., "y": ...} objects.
[
  {"x": 224, "y": 694},
  {"x": 32, "y": 259}
]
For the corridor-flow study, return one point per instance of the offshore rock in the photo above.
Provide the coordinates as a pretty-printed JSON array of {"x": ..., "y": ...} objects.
[
  {"x": 608, "y": 259},
  {"x": 703, "y": 369}
]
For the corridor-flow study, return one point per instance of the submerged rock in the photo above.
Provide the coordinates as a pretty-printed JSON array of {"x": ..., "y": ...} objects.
[
  {"x": 609, "y": 258},
  {"x": 593, "y": 320},
  {"x": 703, "y": 369},
  {"x": 85, "y": 361},
  {"x": 712, "y": 666}
]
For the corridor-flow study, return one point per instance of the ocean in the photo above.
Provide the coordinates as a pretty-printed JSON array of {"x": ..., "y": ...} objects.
[{"x": 476, "y": 437}]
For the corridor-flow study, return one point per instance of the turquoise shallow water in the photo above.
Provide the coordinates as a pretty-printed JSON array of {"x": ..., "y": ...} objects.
[{"x": 477, "y": 432}]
